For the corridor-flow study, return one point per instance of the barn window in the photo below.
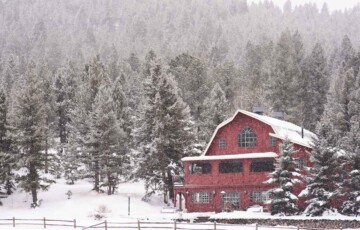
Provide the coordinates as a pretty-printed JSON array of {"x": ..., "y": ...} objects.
[
  {"x": 272, "y": 141},
  {"x": 200, "y": 168},
  {"x": 247, "y": 138},
  {"x": 230, "y": 167},
  {"x": 231, "y": 201},
  {"x": 201, "y": 198},
  {"x": 262, "y": 166},
  {"x": 259, "y": 196},
  {"x": 222, "y": 143},
  {"x": 301, "y": 163}
]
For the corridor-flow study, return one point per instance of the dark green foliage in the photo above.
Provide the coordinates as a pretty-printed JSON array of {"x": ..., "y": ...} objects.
[
  {"x": 323, "y": 181},
  {"x": 285, "y": 176},
  {"x": 172, "y": 135},
  {"x": 27, "y": 131},
  {"x": 7, "y": 158}
]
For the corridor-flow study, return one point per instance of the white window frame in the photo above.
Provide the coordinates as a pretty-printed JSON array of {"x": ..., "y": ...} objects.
[
  {"x": 222, "y": 143},
  {"x": 201, "y": 198},
  {"x": 259, "y": 196},
  {"x": 247, "y": 138}
]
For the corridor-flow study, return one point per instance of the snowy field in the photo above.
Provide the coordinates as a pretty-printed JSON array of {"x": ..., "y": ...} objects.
[{"x": 85, "y": 204}]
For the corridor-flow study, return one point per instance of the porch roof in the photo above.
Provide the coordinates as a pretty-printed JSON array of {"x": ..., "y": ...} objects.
[{"x": 231, "y": 156}]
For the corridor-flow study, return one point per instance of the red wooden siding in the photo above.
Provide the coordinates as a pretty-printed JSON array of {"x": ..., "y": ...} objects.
[
  {"x": 231, "y": 131},
  {"x": 246, "y": 181}
]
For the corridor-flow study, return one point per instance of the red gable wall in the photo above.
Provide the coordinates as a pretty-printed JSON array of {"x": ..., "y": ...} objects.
[
  {"x": 231, "y": 131},
  {"x": 244, "y": 182}
]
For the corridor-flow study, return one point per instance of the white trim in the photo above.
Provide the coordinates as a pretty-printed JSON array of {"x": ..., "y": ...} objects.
[
  {"x": 305, "y": 144},
  {"x": 232, "y": 156},
  {"x": 269, "y": 121}
]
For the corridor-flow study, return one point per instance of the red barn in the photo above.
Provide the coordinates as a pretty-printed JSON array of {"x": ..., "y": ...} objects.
[{"x": 230, "y": 173}]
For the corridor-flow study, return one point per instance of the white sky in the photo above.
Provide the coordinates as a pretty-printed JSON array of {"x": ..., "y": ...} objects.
[{"x": 332, "y": 4}]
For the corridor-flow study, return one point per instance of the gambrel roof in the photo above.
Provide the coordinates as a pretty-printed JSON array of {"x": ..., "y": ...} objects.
[{"x": 282, "y": 130}]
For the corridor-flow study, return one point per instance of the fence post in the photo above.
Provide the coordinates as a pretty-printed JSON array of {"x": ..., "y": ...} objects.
[
  {"x": 44, "y": 222},
  {"x": 174, "y": 224},
  {"x": 256, "y": 226},
  {"x": 298, "y": 228},
  {"x": 74, "y": 223},
  {"x": 14, "y": 222},
  {"x": 138, "y": 224},
  {"x": 105, "y": 222},
  {"x": 214, "y": 225}
]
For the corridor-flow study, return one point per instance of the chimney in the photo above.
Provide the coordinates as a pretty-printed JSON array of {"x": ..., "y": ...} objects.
[
  {"x": 278, "y": 115},
  {"x": 259, "y": 110},
  {"x": 302, "y": 132}
]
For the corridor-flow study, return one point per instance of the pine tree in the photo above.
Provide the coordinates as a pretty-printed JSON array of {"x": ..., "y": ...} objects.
[
  {"x": 351, "y": 184},
  {"x": 49, "y": 110},
  {"x": 65, "y": 86},
  {"x": 65, "y": 89},
  {"x": 322, "y": 183},
  {"x": 190, "y": 73},
  {"x": 7, "y": 159},
  {"x": 285, "y": 176},
  {"x": 108, "y": 139},
  {"x": 337, "y": 112},
  {"x": 95, "y": 76},
  {"x": 172, "y": 137},
  {"x": 27, "y": 121},
  {"x": 285, "y": 74},
  {"x": 351, "y": 164},
  {"x": 315, "y": 74},
  {"x": 226, "y": 75},
  {"x": 216, "y": 110}
]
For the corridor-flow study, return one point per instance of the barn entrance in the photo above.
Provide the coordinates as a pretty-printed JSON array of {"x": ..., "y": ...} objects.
[{"x": 230, "y": 201}]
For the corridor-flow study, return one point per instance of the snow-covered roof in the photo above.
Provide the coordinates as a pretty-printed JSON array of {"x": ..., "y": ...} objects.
[
  {"x": 231, "y": 156},
  {"x": 282, "y": 130}
]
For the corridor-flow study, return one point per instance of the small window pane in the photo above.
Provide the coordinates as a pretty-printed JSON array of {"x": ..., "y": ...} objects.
[
  {"x": 230, "y": 167},
  {"x": 301, "y": 163},
  {"x": 247, "y": 138},
  {"x": 272, "y": 141},
  {"x": 201, "y": 198},
  {"x": 222, "y": 144},
  {"x": 262, "y": 166},
  {"x": 200, "y": 168},
  {"x": 231, "y": 201},
  {"x": 259, "y": 196}
]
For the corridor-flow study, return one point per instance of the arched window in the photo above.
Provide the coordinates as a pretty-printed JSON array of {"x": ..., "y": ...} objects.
[{"x": 247, "y": 138}]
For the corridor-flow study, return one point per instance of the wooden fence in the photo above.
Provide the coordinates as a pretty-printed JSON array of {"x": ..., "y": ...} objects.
[
  {"x": 38, "y": 222},
  {"x": 136, "y": 225}
]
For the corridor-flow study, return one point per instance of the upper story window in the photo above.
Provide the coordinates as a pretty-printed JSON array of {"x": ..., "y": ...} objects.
[
  {"x": 301, "y": 163},
  {"x": 262, "y": 166},
  {"x": 222, "y": 143},
  {"x": 200, "y": 168},
  {"x": 272, "y": 141},
  {"x": 230, "y": 167},
  {"x": 247, "y": 138}
]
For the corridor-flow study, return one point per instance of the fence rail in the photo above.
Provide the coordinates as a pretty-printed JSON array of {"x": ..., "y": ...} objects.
[{"x": 138, "y": 225}]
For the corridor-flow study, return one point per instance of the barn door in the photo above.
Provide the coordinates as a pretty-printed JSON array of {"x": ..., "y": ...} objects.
[{"x": 230, "y": 201}]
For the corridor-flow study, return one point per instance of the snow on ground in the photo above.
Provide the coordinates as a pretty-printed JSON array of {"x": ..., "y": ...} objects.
[{"x": 84, "y": 204}]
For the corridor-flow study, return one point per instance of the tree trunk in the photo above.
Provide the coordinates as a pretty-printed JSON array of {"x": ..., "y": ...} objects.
[
  {"x": 97, "y": 177},
  {"x": 165, "y": 191},
  {"x": 33, "y": 186},
  {"x": 46, "y": 156},
  {"x": 110, "y": 183},
  {"x": 170, "y": 185}
]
